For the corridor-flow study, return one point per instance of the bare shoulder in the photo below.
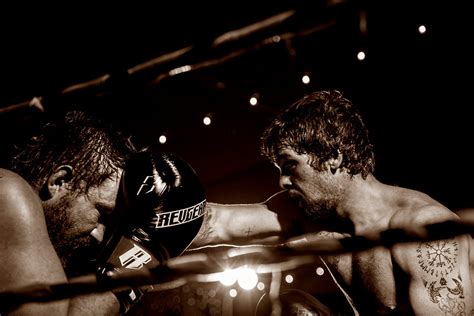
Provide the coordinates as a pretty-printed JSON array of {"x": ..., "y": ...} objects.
[
  {"x": 19, "y": 202},
  {"x": 28, "y": 257},
  {"x": 21, "y": 211},
  {"x": 420, "y": 211},
  {"x": 413, "y": 220},
  {"x": 439, "y": 269},
  {"x": 12, "y": 182},
  {"x": 7, "y": 176}
]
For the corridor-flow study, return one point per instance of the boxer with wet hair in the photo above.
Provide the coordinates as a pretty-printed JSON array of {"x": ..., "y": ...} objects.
[
  {"x": 55, "y": 199},
  {"x": 77, "y": 194}
]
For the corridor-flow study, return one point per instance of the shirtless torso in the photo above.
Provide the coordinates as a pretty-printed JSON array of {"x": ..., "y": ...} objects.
[{"x": 422, "y": 278}]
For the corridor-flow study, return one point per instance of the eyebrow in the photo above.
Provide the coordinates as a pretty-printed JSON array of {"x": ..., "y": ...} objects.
[{"x": 283, "y": 156}]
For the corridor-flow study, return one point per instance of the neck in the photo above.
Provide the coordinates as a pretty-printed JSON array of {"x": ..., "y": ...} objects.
[{"x": 365, "y": 205}]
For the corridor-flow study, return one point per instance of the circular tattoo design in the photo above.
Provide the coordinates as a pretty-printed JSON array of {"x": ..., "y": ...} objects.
[{"x": 438, "y": 258}]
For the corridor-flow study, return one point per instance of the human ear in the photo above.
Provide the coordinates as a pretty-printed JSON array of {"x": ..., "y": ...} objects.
[
  {"x": 334, "y": 163},
  {"x": 57, "y": 180}
]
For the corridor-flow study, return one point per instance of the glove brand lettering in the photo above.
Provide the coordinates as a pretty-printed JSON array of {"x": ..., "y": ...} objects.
[
  {"x": 135, "y": 258},
  {"x": 182, "y": 216},
  {"x": 148, "y": 185}
]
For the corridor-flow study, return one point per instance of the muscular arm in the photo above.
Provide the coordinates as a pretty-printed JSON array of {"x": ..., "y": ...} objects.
[
  {"x": 273, "y": 220},
  {"x": 440, "y": 280},
  {"x": 28, "y": 257},
  {"x": 238, "y": 223}
]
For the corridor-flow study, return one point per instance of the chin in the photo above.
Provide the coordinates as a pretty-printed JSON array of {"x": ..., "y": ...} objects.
[
  {"x": 81, "y": 256},
  {"x": 320, "y": 212}
]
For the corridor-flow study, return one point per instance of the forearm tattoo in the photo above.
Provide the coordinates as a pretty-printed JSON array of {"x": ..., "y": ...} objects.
[{"x": 438, "y": 260}]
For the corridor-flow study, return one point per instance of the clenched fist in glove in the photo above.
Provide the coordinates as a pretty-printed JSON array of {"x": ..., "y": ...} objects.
[{"x": 160, "y": 209}]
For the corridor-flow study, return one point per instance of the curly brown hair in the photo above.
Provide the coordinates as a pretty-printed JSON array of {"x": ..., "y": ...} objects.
[
  {"x": 322, "y": 125},
  {"x": 80, "y": 139}
]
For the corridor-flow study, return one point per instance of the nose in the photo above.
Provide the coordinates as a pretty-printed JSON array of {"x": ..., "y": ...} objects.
[
  {"x": 98, "y": 232},
  {"x": 285, "y": 182}
]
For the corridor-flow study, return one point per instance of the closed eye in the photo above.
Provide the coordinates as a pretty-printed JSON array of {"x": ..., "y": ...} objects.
[{"x": 288, "y": 167}]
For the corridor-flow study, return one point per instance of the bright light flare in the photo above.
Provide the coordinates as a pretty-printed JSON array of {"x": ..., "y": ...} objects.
[
  {"x": 253, "y": 101},
  {"x": 422, "y": 29},
  {"x": 162, "y": 139},
  {"x": 306, "y": 79},
  {"x": 361, "y": 55},
  {"x": 207, "y": 120},
  {"x": 247, "y": 278},
  {"x": 228, "y": 277}
]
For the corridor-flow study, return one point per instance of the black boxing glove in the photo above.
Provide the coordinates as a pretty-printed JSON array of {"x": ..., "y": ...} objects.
[{"x": 159, "y": 211}]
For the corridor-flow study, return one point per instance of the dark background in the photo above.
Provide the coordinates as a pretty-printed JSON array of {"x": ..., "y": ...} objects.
[{"x": 414, "y": 89}]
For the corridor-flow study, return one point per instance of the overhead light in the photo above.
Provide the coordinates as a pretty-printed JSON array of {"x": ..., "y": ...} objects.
[{"x": 162, "y": 139}]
